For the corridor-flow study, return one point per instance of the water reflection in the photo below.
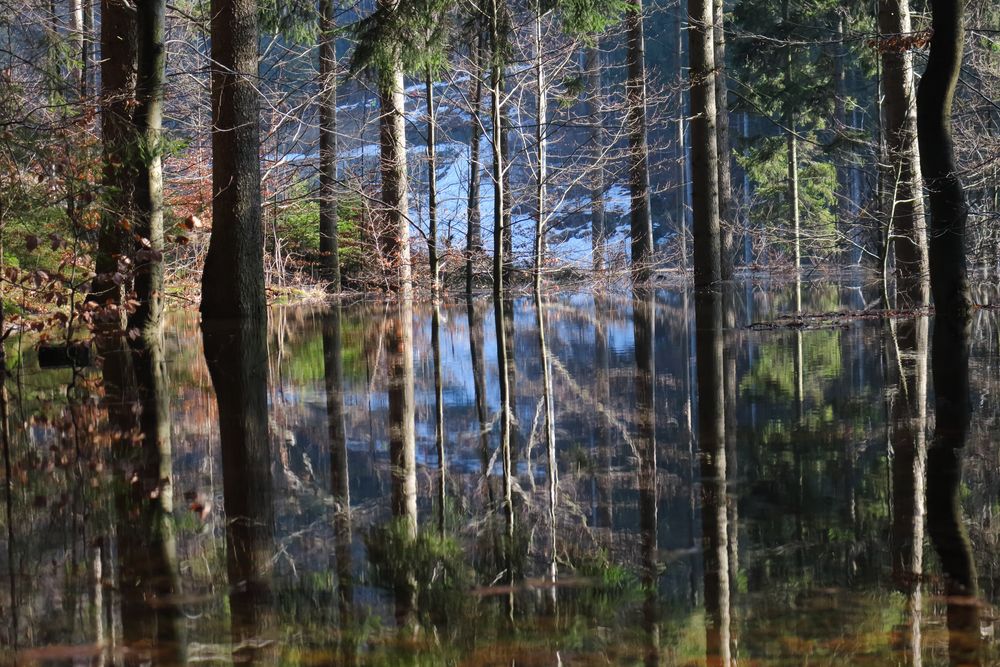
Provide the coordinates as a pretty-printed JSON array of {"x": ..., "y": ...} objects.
[{"x": 359, "y": 488}]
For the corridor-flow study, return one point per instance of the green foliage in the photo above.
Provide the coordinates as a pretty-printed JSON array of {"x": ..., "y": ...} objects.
[
  {"x": 295, "y": 20},
  {"x": 412, "y": 34},
  {"x": 298, "y": 227},
  {"x": 586, "y": 18},
  {"x": 766, "y": 162}
]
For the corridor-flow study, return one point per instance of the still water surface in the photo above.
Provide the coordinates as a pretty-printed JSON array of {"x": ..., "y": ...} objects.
[{"x": 347, "y": 488}]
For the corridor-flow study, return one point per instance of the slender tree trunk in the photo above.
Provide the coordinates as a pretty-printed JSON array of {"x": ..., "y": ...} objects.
[
  {"x": 681, "y": 145},
  {"x": 118, "y": 80},
  {"x": 392, "y": 138},
  {"x": 704, "y": 145},
  {"x": 602, "y": 404},
  {"x": 329, "y": 236},
  {"x": 439, "y": 437},
  {"x": 500, "y": 319},
  {"x": 77, "y": 39},
  {"x": 86, "y": 64},
  {"x": 233, "y": 278},
  {"x": 340, "y": 488},
  {"x": 432, "y": 233},
  {"x": 712, "y": 454},
  {"x": 541, "y": 140},
  {"x": 792, "y": 154},
  {"x": 598, "y": 141},
  {"x": 499, "y": 153},
  {"x": 474, "y": 234},
  {"x": 638, "y": 161},
  {"x": 727, "y": 213},
  {"x": 402, "y": 436},
  {"x": 152, "y": 58},
  {"x": 844, "y": 195},
  {"x": 907, "y": 213},
  {"x": 548, "y": 404}
]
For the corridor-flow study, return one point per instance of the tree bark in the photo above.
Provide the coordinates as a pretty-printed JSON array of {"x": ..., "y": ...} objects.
[
  {"x": 118, "y": 80},
  {"x": 704, "y": 145},
  {"x": 906, "y": 220},
  {"x": 500, "y": 230},
  {"x": 474, "y": 234},
  {"x": 392, "y": 137},
  {"x": 233, "y": 278},
  {"x": 638, "y": 156},
  {"x": 727, "y": 213},
  {"x": 541, "y": 146},
  {"x": 432, "y": 233},
  {"x": 148, "y": 262},
  {"x": 598, "y": 141},
  {"x": 329, "y": 237}
]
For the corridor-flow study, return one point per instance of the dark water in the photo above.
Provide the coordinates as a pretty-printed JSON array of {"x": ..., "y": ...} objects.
[{"x": 718, "y": 494}]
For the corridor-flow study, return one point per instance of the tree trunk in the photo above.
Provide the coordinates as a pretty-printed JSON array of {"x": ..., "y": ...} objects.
[
  {"x": 77, "y": 39},
  {"x": 118, "y": 80},
  {"x": 638, "y": 157},
  {"x": 152, "y": 58},
  {"x": 792, "y": 155},
  {"x": 439, "y": 437},
  {"x": 598, "y": 141},
  {"x": 952, "y": 324},
  {"x": 236, "y": 355},
  {"x": 474, "y": 233},
  {"x": 499, "y": 167},
  {"x": 704, "y": 145},
  {"x": 392, "y": 138},
  {"x": 329, "y": 236},
  {"x": 541, "y": 131},
  {"x": 233, "y": 278},
  {"x": 402, "y": 437},
  {"x": 906, "y": 220},
  {"x": 712, "y": 455},
  {"x": 727, "y": 213},
  {"x": 844, "y": 195},
  {"x": 432, "y": 233}
]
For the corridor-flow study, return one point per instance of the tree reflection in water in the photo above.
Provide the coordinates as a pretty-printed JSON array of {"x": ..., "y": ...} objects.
[{"x": 236, "y": 355}]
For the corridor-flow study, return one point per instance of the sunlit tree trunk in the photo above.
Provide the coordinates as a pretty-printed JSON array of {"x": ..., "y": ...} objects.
[
  {"x": 152, "y": 56},
  {"x": 792, "y": 156},
  {"x": 548, "y": 405},
  {"x": 499, "y": 153},
  {"x": 392, "y": 142},
  {"x": 906, "y": 219},
  {"x": 638, "y": 148},
  {"x": 329, "y": 237},
  {"x": 474, "y": 236},
  {"x": 432, "y": 207},
  {"x": 704, "y": 145},
  {"x": 598, "y": 139},
  {"x": 233, "y": 278},
  {"x": 541, "y": 145}
]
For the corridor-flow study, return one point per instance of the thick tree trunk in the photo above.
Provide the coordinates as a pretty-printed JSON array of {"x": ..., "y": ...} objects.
[
  {"x": 392, "y": 138},
  {"x": 118, "y": 80},
  {"x": 952, "y": 324},
  {"x": 598, "y": 140},
  {"x": 906, "y": 221},
  {"x": 432, "y": 212},
  {"x": 727, "y": 212},
  {"x": 638, "y": 156},
  {"x": 329, "y": 237},
  {"x": 474, "y": 233},
  {"x": 152, "y": 58},
  {"x": 233, "y": 278},
  {"x": 704, "y": 145},
  {"x": 236, "y": 355}
]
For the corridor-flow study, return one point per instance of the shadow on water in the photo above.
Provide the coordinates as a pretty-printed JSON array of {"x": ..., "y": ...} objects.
[{"x": 355, "y": 485}]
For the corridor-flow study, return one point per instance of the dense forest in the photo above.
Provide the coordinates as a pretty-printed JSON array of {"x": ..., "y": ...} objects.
[{"x": 290, "y": 147}]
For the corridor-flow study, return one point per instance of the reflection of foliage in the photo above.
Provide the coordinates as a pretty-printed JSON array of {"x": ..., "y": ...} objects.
[
  {"x": 431, "y": 566},
  {"x": 772, "y": 377}
]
